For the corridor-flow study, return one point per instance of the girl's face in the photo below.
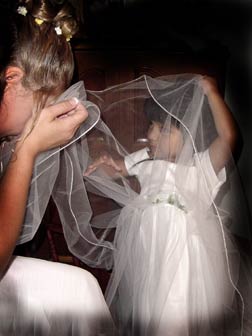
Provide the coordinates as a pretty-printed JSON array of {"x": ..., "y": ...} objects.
[
  {"x": 164, "y": 142},
  {"x": 15, "y": 110}
]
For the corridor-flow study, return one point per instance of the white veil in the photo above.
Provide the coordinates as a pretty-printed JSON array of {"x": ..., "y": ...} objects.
[
  {"x": 47, "y": 165},
  {"x": 178, "y": 228},
  {"x": 173, "y": 227}
]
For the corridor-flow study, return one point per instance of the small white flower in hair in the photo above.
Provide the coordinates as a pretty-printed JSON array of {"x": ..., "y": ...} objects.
[
  {"x": 58, "y": 30},
  {"x": 22, "y": 10}
]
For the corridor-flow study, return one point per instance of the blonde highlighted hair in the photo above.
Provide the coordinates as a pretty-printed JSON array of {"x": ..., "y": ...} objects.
[{"x": 44, "y": 56}]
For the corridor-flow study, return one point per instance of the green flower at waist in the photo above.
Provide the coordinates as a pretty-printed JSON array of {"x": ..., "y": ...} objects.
[{"x": 172, "y": 199}]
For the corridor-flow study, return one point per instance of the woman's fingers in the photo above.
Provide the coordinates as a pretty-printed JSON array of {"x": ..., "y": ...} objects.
[
  {"x": 50, "y": 130},
  {"x": 63, "y": 108}
]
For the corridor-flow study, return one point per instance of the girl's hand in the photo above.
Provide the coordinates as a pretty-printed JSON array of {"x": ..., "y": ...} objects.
[
  {"x": 209, "y": 85},
  {"x": 51, "y": 129},
  {"x": 106, "y": 160}
]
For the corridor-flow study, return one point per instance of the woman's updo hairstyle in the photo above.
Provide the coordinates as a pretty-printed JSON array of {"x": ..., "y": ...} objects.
[{"x": 41, "y": 46}]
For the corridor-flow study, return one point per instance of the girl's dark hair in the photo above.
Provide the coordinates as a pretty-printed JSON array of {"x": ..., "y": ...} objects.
[
  {"x": 154, "y": 112},
  {"x": 45, "y": 57}
]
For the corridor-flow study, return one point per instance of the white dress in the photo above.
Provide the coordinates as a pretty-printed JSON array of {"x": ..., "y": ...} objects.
[
  {"x": 170, "y": 274},
  {"x": 39, "y": 297}
]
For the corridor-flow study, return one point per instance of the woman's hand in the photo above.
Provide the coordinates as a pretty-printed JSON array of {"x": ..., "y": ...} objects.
[
  {"x": 55, "y": 126},
  {"x": 104, "y": 159},
  {"x": 50, "y": 130}
]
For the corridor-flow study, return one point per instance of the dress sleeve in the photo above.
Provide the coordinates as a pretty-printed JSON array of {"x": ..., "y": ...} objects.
[
  {"x": 131, "y": 161},
  {"x": 214, "y": 181}
]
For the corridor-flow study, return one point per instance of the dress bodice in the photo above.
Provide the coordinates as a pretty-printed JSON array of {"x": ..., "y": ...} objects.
[{"x": 160, "y": 179}]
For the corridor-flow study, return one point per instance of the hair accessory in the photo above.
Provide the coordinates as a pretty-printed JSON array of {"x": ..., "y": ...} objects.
[
  {"x": 58, "y": 30},
  {"x": 22, "y": 10},
  {"x": 38, "y": 21},
  {"x": 68, "y": 37}
]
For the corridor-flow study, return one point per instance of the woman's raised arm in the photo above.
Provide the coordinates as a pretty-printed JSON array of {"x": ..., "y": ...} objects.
[{"x": 49, "y": 131}]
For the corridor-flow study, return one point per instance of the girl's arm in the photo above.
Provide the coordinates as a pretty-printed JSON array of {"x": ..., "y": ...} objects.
[
  {"x": 110, "y": 165},
  {"x": 225, "y": 145},
  {"x": 48, "y": 132}
]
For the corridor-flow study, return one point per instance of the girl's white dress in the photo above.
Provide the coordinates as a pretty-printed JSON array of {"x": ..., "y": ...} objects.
[{"x": 171, "y": 275}]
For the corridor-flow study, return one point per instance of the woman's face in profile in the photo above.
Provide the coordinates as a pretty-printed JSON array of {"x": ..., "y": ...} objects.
[{"x": 15, "y": 109}]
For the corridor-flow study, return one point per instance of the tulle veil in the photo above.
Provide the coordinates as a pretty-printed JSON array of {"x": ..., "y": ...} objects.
[{"x": 168, "y": 230}]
